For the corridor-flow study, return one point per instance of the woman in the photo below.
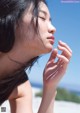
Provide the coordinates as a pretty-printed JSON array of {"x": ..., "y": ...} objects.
[{"x": 26, "y": 33}]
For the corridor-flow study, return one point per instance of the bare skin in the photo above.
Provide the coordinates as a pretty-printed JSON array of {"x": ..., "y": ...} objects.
[
  {"x": 53, "y": 73},
  {"x": 21, "y": 99}
]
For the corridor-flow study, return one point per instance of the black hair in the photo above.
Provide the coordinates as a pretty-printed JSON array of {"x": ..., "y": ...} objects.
[{"x": 10, "y": 13}]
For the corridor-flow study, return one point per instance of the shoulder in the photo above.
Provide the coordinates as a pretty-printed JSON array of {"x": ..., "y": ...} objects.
[{"x": 22, "y": 90}]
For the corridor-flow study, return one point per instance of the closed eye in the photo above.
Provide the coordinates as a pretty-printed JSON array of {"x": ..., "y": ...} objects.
[{"x": 43, "y": 18}]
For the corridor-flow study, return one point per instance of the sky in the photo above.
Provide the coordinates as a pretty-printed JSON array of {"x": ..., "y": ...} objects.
[{"x": 66, "y": 19}]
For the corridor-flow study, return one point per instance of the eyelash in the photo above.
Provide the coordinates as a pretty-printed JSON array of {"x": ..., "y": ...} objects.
[{"x": 42, "y": 18}]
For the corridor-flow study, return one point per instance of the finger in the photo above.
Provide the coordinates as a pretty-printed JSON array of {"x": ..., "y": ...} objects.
[
  {"x": 65, "y": 52},
  {"x": 53, "y": 55},
  {"x": 65, "y": 45},
  {"x": 52, "y": 70},
  {"x": 58, "y": 71},
  {"x": 63, "y": 58}
]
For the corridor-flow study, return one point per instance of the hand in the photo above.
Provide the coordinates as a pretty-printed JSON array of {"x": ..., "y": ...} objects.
[{"x": 54, "y": 71}]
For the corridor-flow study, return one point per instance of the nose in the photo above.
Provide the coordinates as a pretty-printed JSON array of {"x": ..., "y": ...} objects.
[{"x": 51, "y": 29}]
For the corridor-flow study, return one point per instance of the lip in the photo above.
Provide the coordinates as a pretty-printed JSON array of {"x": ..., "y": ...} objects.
[{"x": 51, "y": 39}]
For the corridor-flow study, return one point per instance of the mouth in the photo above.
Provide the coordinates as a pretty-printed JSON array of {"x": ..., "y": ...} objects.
[{"x": 51, "y": 39}]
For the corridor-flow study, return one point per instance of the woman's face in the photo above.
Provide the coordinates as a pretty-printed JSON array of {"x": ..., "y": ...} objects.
[{"x": 44, "y": 40}]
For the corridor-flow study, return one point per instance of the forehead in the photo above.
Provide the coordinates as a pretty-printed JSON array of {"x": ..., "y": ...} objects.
[
  {"x": 28, "y": 13},
  {"x": 43, "y": 7}
]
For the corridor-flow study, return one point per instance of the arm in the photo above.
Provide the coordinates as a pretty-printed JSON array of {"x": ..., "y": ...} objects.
[
  {"x": 21, "y": 99},
  {"x": 48, "y": 100},
  {"x": 53, "y": 73}
]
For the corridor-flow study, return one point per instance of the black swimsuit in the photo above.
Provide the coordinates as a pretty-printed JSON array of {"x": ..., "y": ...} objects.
[{"x": 8, "y": 84}]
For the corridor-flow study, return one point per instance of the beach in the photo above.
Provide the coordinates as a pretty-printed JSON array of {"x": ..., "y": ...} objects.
[{"x": 59, "y": 107}]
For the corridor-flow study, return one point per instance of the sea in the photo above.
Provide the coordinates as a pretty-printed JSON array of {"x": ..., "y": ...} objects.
[{"x": 71, "y": 88}]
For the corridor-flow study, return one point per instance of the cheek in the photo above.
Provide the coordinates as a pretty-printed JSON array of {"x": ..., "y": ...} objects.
[
  {"x": 42, "y": 30},
  {"x": 42, "y": 26},
  {"x": 28, "y": 31}
]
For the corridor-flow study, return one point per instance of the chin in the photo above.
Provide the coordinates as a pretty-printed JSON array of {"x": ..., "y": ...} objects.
[{"x": 49, "y": 49}]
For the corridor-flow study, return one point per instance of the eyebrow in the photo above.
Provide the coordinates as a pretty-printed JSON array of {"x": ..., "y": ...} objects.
[{"x": 45, "y": 14}]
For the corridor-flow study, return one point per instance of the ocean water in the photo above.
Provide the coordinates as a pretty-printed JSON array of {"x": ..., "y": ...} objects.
[
  {"x": 36, "y": 85},
  {"x": 72, "y": 88}
]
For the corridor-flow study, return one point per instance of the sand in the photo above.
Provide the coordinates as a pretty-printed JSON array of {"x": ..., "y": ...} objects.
[{"x": 59, "y": 107}]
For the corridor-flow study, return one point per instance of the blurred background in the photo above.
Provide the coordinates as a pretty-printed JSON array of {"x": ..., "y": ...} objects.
[{"x": 66, "y": 19}]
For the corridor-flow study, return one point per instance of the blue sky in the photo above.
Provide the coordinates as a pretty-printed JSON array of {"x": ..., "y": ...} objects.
[{"x": 66, "y": 19}]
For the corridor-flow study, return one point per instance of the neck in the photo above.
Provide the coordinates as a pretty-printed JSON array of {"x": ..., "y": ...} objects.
[
  {"x": 22, "y": 55},
  {"x": 12, "y": 60}
]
